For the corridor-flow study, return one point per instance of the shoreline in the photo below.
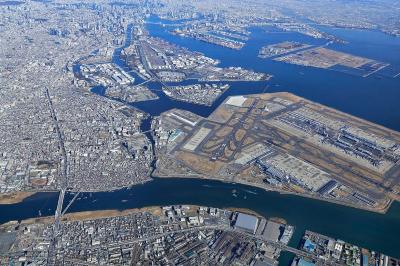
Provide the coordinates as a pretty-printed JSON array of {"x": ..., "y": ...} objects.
[
  {"x": 85, "y": 215},
  {"x": 18, "y": 197},
  {"x": 15, "y": 197},
  {"x": 99, "y": 214},
  {"x": 380, "y": 211}
]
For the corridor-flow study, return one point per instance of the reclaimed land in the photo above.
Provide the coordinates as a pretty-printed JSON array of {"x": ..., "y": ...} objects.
[{"x": 382, "y": 210}]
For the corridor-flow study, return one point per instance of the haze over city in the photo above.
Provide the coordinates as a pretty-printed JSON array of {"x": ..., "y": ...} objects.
[{"x": 167, "y": 132}]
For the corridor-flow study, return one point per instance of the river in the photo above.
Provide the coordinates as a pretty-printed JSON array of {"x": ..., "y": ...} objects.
[
  {"x": 372, "y": 230},
  {"x": 374, "y": 98}
]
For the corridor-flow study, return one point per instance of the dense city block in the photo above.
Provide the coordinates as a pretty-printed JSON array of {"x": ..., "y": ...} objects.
[{"x": 179, "y": 235}]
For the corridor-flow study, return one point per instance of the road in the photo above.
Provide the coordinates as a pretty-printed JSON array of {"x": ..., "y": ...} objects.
[
  {"x": 222, "y": 227},
  {"x": 225, "y": 228},
  {"x": 63, "y": 182}
]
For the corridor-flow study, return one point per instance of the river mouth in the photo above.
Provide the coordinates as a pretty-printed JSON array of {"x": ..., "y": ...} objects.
[
  {"x": 371, "y": 230},
  {"x": 366, "y": 229}
]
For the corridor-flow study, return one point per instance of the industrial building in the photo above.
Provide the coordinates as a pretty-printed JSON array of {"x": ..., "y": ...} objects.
[{"x": 246, "y": 222}]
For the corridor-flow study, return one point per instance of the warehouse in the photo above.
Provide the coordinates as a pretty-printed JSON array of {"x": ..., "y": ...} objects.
[{"x": 246, "y": 222}]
